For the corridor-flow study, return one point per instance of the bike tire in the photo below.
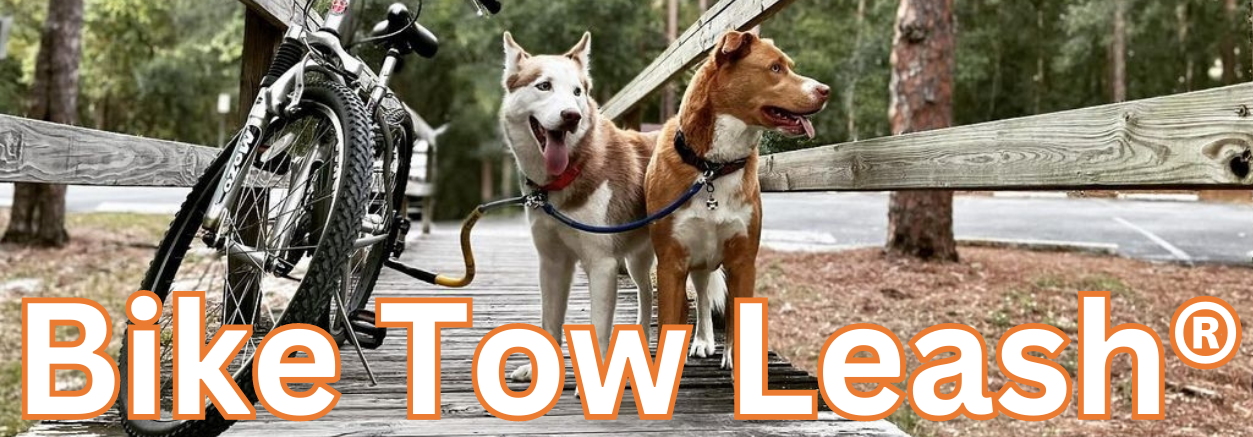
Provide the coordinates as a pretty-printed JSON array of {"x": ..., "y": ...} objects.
[
  {"x": 373, "y": 265},
  {"x": 310, "y": 299}
]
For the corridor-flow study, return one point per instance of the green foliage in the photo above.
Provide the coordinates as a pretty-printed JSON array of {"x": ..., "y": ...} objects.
[
  {"x": 152, "y": 68},
  {"x": 155, "y": 68}
]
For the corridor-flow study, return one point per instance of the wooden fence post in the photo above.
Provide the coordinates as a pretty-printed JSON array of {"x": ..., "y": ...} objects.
[{"x": 260, "y": 40}]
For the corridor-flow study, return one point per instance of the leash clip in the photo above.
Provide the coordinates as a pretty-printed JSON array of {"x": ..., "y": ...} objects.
[
  {"x": 536, "y": 199},
  {"x": 708, "y": 180}
]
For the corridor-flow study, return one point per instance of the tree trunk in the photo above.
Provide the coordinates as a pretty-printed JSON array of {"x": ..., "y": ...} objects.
[
  {"x": 1185, "y": 27},
  {"x": 1039, "y": 78},
  {"x": 1231, "y": 64},
  {"x": 1118, "y": 52},
  {"x": 669, "y": 99},
  {"x": 38, "y": 213},
  {"x": 920, "y": 223},
  {"x": 850, "y": 90},
  {"x": 485, "y": 189}
]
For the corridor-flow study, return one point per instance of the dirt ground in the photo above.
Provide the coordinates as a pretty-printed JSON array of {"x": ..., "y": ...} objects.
[
  {"x": 992, "y": 290},
  {"x": 811, "y": 295},
  {"x": 105, "y": 261}
]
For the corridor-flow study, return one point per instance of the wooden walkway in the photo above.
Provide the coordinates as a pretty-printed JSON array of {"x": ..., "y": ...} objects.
[{"x": 506, "y": 291}]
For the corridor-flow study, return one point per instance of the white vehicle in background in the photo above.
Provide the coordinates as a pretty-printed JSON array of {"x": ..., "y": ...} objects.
[{"x": 420, "y": 188}]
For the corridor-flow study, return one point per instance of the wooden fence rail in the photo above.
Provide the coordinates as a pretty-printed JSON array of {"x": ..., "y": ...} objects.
[
  {"x": 1195, "y": 140},
  {"x": 37, "y": 151},
  {"x": 690, "y": 47},
  {"x": 281, "y": 13}
]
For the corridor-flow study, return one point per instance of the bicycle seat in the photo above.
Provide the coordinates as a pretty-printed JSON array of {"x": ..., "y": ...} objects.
[{"x": 405, "y": 37}]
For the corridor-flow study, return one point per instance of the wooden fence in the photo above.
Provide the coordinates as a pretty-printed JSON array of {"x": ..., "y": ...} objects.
[
  {"x": 36, "y": 151},
  {"x": 1199, "y": 140}
]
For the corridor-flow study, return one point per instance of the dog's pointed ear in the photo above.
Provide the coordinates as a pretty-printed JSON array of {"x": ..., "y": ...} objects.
[
  {"x": 514, "y": 55},
  {"x": 582, "y": 52},
  {"x": 733, "y": 46}
]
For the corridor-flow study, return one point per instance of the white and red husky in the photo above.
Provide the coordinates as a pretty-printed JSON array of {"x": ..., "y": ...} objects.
[{"x": 592, "y": 171}]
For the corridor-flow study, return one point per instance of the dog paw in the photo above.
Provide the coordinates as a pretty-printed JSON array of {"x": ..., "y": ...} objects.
[
  {"x": 521, "y": 374},
  {"x": 701, "y": 348},
  {"x": 727, "y": 358}
]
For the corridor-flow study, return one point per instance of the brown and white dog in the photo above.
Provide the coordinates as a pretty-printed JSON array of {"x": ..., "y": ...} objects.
[
  {"x": 592, "y": 171},
  {"x": 746, "y": 87}
]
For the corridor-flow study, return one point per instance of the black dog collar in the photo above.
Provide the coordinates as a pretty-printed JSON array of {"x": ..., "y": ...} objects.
[{"x": 710, "y": 169}]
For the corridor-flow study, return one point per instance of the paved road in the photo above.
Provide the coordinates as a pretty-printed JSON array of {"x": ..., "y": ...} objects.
[
  {"x": 1164, "y": 231},
  {"x": 113, "y": 199}
]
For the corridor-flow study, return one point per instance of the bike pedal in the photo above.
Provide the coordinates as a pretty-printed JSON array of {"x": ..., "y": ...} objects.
[{"x": 369, "y": 336}]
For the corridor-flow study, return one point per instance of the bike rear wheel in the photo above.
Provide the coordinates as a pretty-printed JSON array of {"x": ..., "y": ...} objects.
[{"x": 285, "y": 242}]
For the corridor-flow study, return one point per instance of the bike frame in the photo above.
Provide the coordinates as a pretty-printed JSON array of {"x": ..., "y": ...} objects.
[{"x": 326, "y": 55}]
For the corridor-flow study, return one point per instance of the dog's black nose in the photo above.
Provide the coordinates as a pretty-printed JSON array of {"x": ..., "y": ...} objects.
[{"x": 570, "y": 120}]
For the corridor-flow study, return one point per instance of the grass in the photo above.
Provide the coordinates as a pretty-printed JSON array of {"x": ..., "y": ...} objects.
[
  {"x": 10, "y": 399},
  {"x": 105, "y": 261}
]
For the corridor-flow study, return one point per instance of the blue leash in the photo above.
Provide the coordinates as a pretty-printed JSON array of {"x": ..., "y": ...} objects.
[{"x": 540, "y": 199}]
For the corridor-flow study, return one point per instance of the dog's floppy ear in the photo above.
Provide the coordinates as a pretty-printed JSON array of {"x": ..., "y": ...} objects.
[
  {"x": 733, "y": 46},
  {"x": 514, "y": 55}
]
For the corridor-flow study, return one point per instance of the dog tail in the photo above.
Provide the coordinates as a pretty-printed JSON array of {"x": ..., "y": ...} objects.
[{"x": 716, "y": 295}]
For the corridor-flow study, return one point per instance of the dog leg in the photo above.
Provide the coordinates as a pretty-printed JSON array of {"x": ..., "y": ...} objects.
[
  {"x": 640, "y": 266},
  {"x": 741, "y": 279},
  {"x": 602, "y": 277},
  {"x": 556, "y": 273},
  {"x": 671, "y": 293},
  {"x": 711, "y": 295}
]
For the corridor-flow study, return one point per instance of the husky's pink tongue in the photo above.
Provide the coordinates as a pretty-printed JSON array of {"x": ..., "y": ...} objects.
[
  {"x": 809, "y": 127},
  {"x": 556, "y": 158}
]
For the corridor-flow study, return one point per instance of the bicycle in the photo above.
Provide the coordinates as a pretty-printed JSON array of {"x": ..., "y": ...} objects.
[{"x": 302, "y": 208}]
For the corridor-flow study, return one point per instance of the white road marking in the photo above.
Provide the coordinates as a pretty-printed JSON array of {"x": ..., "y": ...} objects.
[
  {"x": 1178, "y": 253},
  {"x": 788, "y": 236},
  {"x": 803, "y": 241},
  {"x": 1030, "y": 194},
  {"x": 1160, "y": 197}
]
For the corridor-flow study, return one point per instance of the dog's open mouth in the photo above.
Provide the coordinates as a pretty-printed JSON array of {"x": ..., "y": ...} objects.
[
  {"x": 789, "y": 122},
  {"x": 552, "y": 143}
]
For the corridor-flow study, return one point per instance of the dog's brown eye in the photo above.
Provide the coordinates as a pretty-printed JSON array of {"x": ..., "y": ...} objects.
[
  {"x": 545, "y": 86},
  {"x": 776, "y": 67},
  {"x": 578, "y": 92}
]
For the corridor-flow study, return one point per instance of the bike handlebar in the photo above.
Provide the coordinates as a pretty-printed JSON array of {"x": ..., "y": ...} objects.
[
  {"x": 492, "y": 6},
  {"x": 402, "y": 32}
]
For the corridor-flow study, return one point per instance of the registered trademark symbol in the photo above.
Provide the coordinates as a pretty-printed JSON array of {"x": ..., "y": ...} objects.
[{"x": 1205, "y": 332}]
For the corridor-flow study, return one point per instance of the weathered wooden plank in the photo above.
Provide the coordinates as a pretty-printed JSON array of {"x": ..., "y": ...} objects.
[
  {"x": 1202, "y": 139},
  {"x": 282, "y": 13},
  {"x": 36, "y": 151},
  {"x": 706, "y": 396},
  {"x": 691, "y": 46},
  {"x": 828, "y": 424}
]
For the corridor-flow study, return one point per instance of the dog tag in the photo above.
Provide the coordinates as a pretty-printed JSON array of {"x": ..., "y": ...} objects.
[{"x": 711, "y": 203}]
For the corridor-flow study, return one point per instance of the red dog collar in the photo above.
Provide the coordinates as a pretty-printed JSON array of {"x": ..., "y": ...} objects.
[{"x": 563, "y": 180}]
